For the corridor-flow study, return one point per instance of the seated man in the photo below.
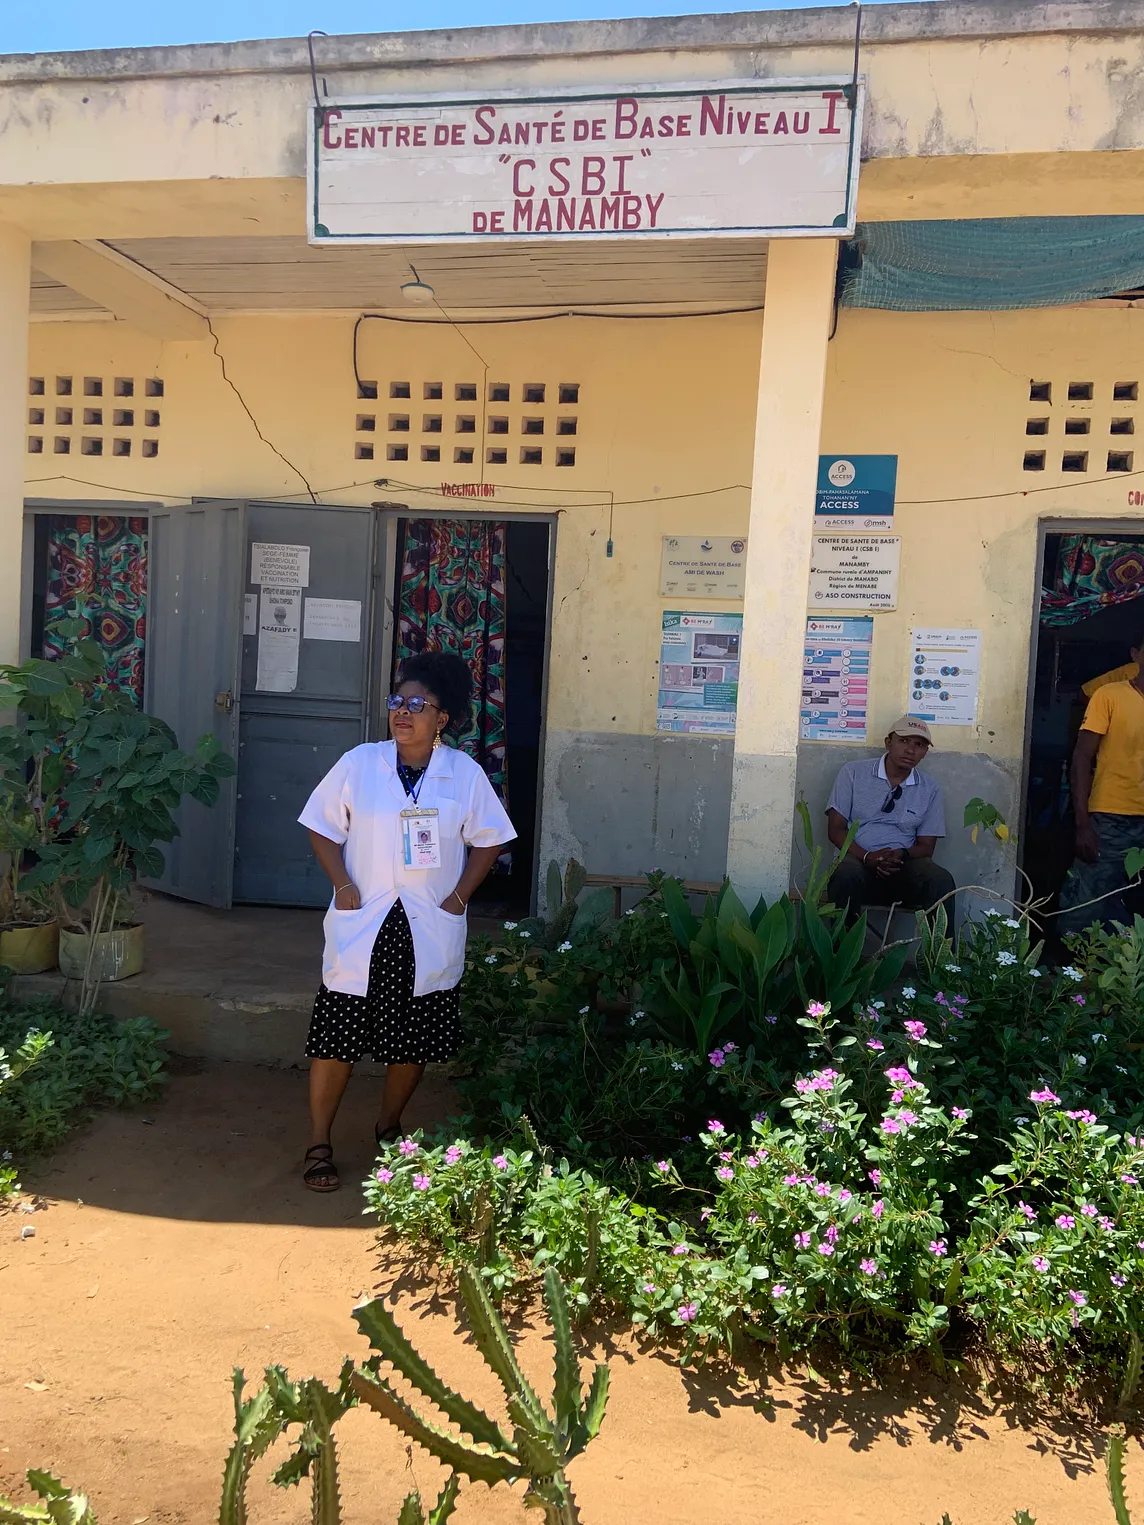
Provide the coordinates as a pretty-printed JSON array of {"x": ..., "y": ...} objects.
[
  {"x": 890, "y": 860},
  {"x": 1108, "y": 798}
]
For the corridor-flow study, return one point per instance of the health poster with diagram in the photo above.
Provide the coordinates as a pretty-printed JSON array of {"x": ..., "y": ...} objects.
[
  {"x": 836, "y": 679},
  {"x": 699, "y": 673},
  {"x": 945, "y": 670}
]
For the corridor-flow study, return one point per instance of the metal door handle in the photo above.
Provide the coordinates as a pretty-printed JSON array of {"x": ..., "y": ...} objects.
[{"x": 224, "y": 701}]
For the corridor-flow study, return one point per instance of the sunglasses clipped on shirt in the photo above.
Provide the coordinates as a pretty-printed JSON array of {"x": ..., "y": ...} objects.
[
  {"x": 892, "y": 799},
  {"x": 414, "y": 704}
]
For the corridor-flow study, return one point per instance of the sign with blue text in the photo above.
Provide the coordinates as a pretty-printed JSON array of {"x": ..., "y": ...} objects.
[
  {"x": 836, "y": 679},
  {"x": 699, "y": 673},
  {"x": 855, "y": 493}
]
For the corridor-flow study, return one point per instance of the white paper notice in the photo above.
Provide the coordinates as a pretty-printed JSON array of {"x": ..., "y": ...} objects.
[
  {"x": 279, "y": 633},
  {"x": 286, "y": 566},
  {"x": 332, "y": 619},
  {"x": 250, "y": 614},
  {"x": 945, "y": 671},
  {"x": 854, "y": 572}
]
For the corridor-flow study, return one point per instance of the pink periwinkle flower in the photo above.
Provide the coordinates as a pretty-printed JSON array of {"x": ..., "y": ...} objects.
[
  {"x": 778, "y": 1290},
  {"x": 1044, "y": 1097},
  {"x": 790, "y": 1180},
  {"x": 1040, "y": 1263},
  {"x": 407, "y": 1146},
  {"x": 1088, "y": 1211},
  {"x": 1082, "y": 1115},
  {"x": 916, "y": 1030},
  {"x": 1130, "y": 1180},
  {"x": 679, "y": 1249},
  {"x": 826, "y": 1248},
  {"x": 961, "y": 1000},
  {"x": 802, "y": 1241},
  {"x": 663, "y": 1166},
  {"x": 844, "y": 1196},
  {"x": 937, "y": 1247},
  {"x": 453, "y": 1154},
  {"x": 832, "y": 1233},
  {"x": 1078, "y": 1298},
  {"x": 1065, "y": 1220},
  {"x": 715, "y": 1126},
  {"x": 708, "y": 1212},
  {"x": 500, "y": 1161},
  {"x": 725, "y": 1173},
  {"x": 385, "y": 1176},
  {"x": 752, "y": 1217},
  {"x": 729, "y": 1048},
  {"x": 686, "y": 1312},
  {"x": 878, "y": 1208},
  {"x": 751, "y": 1162},
  {"x": 868, "y": 1267},
  {"x": 872, "y": 1043},
  {"x": 960, "y": 1114},
  {"x": 421, "y": 1183},
  {"x": 822, "y": 1189},
  {"x": 1078, "y": 1000},
  {"x": 898, "y": 1075},
  {"x": 891, "y": 1125},
  {"x": 1117, "y": 1280},
  {"x": 1106, "y": 1224},
  {"x": 716, "y": 1058},
  {"x": 803, "y": 1086},
  {"x": 1026, "y": 1211},
  {"x": 817, "y": 1009},
  {"x": 725, "y": 1154},
  {"x": 649, "y": 1287},
  {"x": 897, "y": 1096},
  {"x": 875, "y": 1176},
  {"x": 907, "y": 1118}
]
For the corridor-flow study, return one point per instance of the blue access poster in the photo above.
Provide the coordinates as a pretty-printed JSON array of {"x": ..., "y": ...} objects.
[{"x": 855, "y": 493}]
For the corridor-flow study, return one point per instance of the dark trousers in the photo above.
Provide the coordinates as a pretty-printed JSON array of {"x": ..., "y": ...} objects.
[
  {"x": 1086, "y": 882},
  {"x": 916, "y": 886}
]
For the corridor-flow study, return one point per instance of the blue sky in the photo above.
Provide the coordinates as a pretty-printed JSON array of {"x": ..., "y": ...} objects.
[{"x": 71, "y": 24}]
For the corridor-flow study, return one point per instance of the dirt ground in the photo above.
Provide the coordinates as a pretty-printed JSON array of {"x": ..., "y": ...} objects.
[{"x": 174, "y": 1244}]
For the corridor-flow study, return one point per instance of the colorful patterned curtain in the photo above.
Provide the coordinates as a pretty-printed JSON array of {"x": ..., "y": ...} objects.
[
  {"x": 97, "y": 572},
  {"x": 452, "y": 598}
]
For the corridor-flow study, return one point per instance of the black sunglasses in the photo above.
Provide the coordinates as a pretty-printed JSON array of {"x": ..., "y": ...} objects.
[
  {"x": 892, "y": 799},
  {"x": 414, "y": 703}
]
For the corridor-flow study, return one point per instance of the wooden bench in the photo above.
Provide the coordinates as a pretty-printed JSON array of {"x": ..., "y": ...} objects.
[{"x": 618, "y": 883}]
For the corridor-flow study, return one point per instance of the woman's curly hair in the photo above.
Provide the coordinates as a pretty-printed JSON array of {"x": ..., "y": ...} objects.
[{"x": 448, "y": 681}]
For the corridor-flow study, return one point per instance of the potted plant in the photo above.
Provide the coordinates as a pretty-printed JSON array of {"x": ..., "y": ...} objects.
[
  {"x": 103, "y": 780},
  {"x": 33, "y": 766},
  {"x": 125, "y": 777}
]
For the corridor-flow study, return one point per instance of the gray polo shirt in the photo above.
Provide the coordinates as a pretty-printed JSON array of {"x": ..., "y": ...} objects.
[{"x": 862, "y": 788}]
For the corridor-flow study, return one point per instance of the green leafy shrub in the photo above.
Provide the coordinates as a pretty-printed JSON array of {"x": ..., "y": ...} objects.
[{"x": 79, "y": 1062}]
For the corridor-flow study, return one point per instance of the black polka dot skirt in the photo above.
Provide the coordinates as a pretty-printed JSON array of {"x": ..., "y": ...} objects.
[{"x": 389, "y": 1021}]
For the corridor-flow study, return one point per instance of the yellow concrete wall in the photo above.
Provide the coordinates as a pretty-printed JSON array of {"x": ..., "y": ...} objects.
[{"x": 666, "y": 410}]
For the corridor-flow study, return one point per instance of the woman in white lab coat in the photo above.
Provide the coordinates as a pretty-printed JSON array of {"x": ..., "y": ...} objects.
[{"x": 406, "y": 830}]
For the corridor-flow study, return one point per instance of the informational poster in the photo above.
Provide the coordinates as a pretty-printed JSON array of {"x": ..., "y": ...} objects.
[
  {"x": 854, "y": 572},
  {"x": 250, "y": 614},
  {"x": 285, "y": 566},
  {"x": 703, "y": 566},
  {"x": 699, "y": 673},
  {"x": 945, "y": 673},
  {"x": 332, "y": 619},
  {"x": 856, "y": 493},
  {"x": 836, "y": 679},
  {"x": 279, "y": 634}
]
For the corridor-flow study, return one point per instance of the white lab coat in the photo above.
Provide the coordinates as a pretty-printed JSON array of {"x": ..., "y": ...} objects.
[{"x": 359, "y": 804}]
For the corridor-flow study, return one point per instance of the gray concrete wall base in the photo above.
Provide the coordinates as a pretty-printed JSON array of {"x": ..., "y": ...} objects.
[
  {"x": 625, "y": 804},
  {"x": 761, "y": 801}
]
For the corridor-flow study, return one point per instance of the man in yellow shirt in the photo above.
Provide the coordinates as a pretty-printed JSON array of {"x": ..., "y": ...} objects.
[{"x": 1108, "y": 800}]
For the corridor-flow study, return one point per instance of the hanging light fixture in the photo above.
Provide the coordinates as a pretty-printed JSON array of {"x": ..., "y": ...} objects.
[{"x": 417, "y": 292}]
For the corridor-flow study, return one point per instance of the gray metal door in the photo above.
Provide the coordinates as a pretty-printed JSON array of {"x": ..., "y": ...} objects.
[
  {"x": 194, "y": 596},
  {"x": 289, "y": 738}
]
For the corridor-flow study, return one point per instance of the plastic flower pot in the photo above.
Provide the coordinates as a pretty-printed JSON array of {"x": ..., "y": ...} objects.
[
  {"x": 118, "y": 954},
  {"x": 30, "y": 949}
]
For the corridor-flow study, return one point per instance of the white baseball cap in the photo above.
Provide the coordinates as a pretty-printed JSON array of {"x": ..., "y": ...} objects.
[{"x": 910, "y": 725}]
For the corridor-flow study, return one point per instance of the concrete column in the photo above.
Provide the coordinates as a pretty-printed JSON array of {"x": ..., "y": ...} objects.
[
  {"x": 15, "y": 293},
  {"x": 792, "y": 376}
]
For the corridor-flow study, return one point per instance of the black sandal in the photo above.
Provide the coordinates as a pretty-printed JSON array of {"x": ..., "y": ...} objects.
[{"x": 323, "y": 1169}]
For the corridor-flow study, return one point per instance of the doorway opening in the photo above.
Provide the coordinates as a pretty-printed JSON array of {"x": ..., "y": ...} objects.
[
  {"x": 480, "y": 587},
  {"x": 91, "y": 568},
  {"x": 1090, "y": 613}
]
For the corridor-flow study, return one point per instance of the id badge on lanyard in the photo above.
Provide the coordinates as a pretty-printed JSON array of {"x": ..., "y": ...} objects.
[{"x": 421, "y": 837}]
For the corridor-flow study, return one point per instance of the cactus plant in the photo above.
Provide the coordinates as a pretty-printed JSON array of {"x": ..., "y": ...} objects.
[
  {"x": 565, "y": 914},
  {"x": 61, "y": 1506},
  {"x": 541, "y": 1444}
]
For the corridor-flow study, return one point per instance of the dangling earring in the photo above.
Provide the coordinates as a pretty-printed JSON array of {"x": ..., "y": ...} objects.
[{"x": 437, "y": 741}]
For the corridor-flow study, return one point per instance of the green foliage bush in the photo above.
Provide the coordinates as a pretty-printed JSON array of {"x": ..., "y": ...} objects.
[
  {"x": 63, "y": 1065},
  {"x": 954, "y": 1161}
]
